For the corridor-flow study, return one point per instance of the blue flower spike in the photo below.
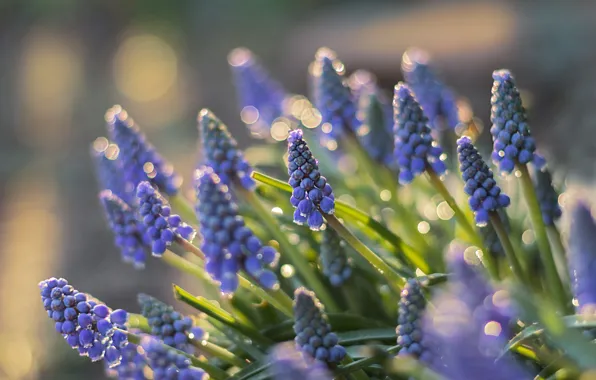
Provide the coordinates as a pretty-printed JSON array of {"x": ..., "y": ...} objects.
[
  {"x": 485, "y": 195},
  {"x": 168, "y": 364},
  {"x": 140, "y": 159},
  {"x": 87, "y": 325},
  {"x": 313, "y": 333},
  {"x": 109, "y": 170},
  {"x": 260, "y": 97},
  {"x": 311, "y": 193},
  {"x": 168, "y": 325},
  {"x": 132, "y": 365},
  {"x": 129, "y": 232},
  {"x": 163, "y": 227},
  {"x": 415, "y": 148},
  {"x": 409, "y": 332},
  {"x": 547, "y": 197},
  {"x": 229, "y": 245},
  {"x": 582, "y": 257},
  {"x": 334, "y": 259},
  {"x": 221, "y": 151},
  {"x": 289, "y": 364},
  {"x": 436, "y": 99},
  {"x": 512, "y": 141}
]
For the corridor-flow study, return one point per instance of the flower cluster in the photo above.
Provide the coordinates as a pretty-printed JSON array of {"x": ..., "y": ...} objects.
[
  {"x": 311, "y": 193},
  {"x": 490, "y": 237},
  {"x": 260, "y": 97},
  {"x": 162, "y": 226},
  {"x": 86, "y": 325},
  {"x": 229, "y": 245},
  {"x": 485, "y": 194},
  {"x": 437, "y": 100},
  {"x": 168, "y": 325},
  {"x": 512, "y": 142},
  {"x": 129, "y": 232},
  {"x": 221, "y": 151},
  {"x": 409, "y": 321},
  {"x": 168, "y": 364},
  {"x": 313, "y": 333},
  {"x": 334, "y": 259},
  {"x": 582, "y": 256},
  {"x": 140, "y": 160},
  {"x": 289, "y": 364},
  {"x": 132, "y": 365},
  {"x": 415, "y": 149},
  {"x": 547, "y": 197}
]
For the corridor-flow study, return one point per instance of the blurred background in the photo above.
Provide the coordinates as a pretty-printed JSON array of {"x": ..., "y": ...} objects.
[{"x": 64, "y": 62}]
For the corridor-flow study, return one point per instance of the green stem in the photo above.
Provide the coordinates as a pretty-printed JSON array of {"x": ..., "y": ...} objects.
[
  {"x": 350, "y": 213},
  {"x": 137, "y": 321},
  {"x": 218, "y": 352},
  {"x": 291, "y": 251},
  {"x": 559, "y": 251},
  {"x": 487, "y": 258},
  {"x": 357, "y": 373},
  {"x": 276, "y": 297},
  {"x": 183, "y": 207},
  {"x": 555, "y": 285},
  {"x": 393, "y": 278},
  {"x": 495, "y": 219},
  {"x": 213, "y": 371}
]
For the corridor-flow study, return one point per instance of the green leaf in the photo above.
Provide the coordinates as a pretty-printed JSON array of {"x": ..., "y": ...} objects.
[
  {"x": 527, "y": 333},
  {"x": 251, "y": 370},
  {"x": 366, "y": 362},
  {"x": 363, "y": 336}
]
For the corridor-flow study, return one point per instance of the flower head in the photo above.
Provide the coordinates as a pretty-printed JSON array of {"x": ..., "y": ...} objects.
[
  {"x": 162, "y": 226},
  {"x": 129, "y": 233},
  {"x": 260, "y": 97},
  {"x": 85, "y": 324},
  {"x": 547, "y": 196},
  {"x": 289, "y": 364},
  {"x": 313, "y": 333},
  {"x": 311, "y": 192},
  {"x": 334, "y": 259},
  {"x": 168, "y": 325},
  {"x": 168, "y": 364},
  {"x": 437, "y": 100},
  {"x": 512, "y": 141},
  {"x": 375, "y": 116},
  {"x": 140, "y": 160},
  {"x": 109, "y": 171},
  {"x": 221, "y": 151},
  {"x": 485, "y": 194},
  {"x": 409, "y": 322},
  {"x": 490, "y": 237},
  {"x": 132, "y": 365},
  {"x": 229, "y": 245},
  {"x": 469, "y": 326},
  {"x": 332, "y": 96},
  {"x": 415, "y": 149},
  {"x": 582, "y": 255}
]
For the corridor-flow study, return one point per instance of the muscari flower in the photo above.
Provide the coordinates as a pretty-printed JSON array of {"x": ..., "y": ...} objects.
[
  {"x": 485, "y": 194},
  {"x": 222, "y": 153},
  {"x": 313, "y": 333},
  {"x": 490, "y": 237},
  {"x": 168, "y": 325},
  {"x": 415, "y": 149},
  {"x": 168, "y": 364},
  {"x": 163, "y": 227},
  {"x": 85, "y": 324},
  {"x": 109, "y": 171},
  {"x": 129, "y": 232},
  {"x": 437, "y": 100},
  {"x": 547, "y": 197},
  {"x": 140, "y": 160},
  {"x": 375, "y": 116},
  {"x": 289, "y": 364},
  {"x": 409, "y": 322},
  {"x": 512, "y": 141},
  {"x": 582, "y": 256},
  {"x": 229, "y": 245},
  {"x": 332, "y": 96},
  {"x": 261, "y": 98},
  {"x": 334, "y": 259},
  {"x": 311, "y": 193},
  {"x": 132, "y": 365},
  {"x": 469, "y": 326}
]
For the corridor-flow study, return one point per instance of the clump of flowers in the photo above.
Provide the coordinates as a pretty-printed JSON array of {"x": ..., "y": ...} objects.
[
  {"x": 334, "y": 259},
  {"x": 409, "y": 321},
  {"x": 167, "y": 364}
]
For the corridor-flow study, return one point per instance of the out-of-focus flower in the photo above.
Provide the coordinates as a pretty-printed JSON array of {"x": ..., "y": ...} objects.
[
  {"x": 289, "y": 364},
  {"x": 110, "y": 172},
  {"x": 547, "y": 196},
  {"x": 167, "y": 364},
  {"x": 582, "y": 256},
  {"x": 485, "y": 194},
  {"x": 132, "y": 365},
  {"x": 311, "y": 191},
  {"x": 334, "y": 259},
  {"x": 512, "y": 141},
  {"x": 409, "y": 322}
]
